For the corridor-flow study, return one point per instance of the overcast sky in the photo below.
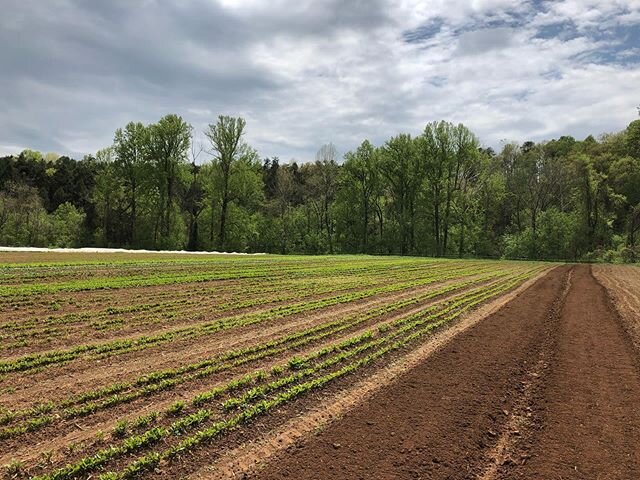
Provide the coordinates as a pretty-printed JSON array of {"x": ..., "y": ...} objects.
[{"x": 305, "y": 72}]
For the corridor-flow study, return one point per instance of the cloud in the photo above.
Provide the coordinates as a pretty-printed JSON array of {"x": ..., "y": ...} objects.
[
  {"x": 309, "y": 72},
  {"x": 481, "y": 41}
]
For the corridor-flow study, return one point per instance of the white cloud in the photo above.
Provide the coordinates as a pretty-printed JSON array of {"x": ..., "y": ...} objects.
[{"x": 305, "y": 73}]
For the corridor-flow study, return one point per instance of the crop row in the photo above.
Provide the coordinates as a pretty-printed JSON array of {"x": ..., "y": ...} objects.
[
  {"x": 83, "y": 308},
  {"x": 159, "y": 279},
  {"x": 56, "y": 267},
  {"x": 173, "y": 311},
  {"x": 180, "y": 301},
  {"x": 152, "y": 314}
]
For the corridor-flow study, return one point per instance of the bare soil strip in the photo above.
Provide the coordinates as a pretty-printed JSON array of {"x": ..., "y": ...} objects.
[
  {"x": 547, "y": 387},
  {"x": 623, "y": 287},
  {"x": 509, "y": 449},
  {"x": 590, "y": 420}
]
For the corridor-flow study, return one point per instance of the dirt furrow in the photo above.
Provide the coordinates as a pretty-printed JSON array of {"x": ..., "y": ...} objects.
[
  {"x": 440, "y": 419},
  {"x": 508, "y": 449},
  {"x": 589, "y": 424},
  {"x": 623, "y": 287}
]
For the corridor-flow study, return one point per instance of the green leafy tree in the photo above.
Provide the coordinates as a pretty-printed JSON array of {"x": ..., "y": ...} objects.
[
  {"x": 228, "y": 147},
  {"x": 449, "y": 154},
  {"x": 108, "y": 198},
  {"x": 23, "y": 219},
  {"x": 361, "y": 181},
  {"x": 131, "y": 149},
  {"x": 321, "y": 187},
  {"x": 168, "y": 147},
  {"x": 66, "y": 226},
  {"x": 403, "y": 173}
]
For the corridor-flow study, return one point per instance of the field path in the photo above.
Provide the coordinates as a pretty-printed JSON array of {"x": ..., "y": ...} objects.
[
  {"x": 545, "y": 388},
  {"x": 591, "y": 415}
]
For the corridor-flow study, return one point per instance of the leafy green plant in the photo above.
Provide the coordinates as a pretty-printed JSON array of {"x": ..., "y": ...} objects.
[
  {"x": 175, "y": 408},
  {"x": 14, "y": 467},
  {"x": 296, "y": 363},
  {"x": 120, "y": 429}
]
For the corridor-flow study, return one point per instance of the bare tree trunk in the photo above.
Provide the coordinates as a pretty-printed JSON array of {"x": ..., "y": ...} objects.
[
  {"x": 223, "y": 222},
  {"x": 132, "y": 232},
  {"x": 365, "y": 232},
  {"x": 224, "y": 207}
]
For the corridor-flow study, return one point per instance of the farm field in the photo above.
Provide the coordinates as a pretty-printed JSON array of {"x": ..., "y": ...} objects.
[{"x": 117, "y": 366}]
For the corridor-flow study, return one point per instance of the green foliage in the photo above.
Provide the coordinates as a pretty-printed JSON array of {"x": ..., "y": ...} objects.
[
  {"x": 175, "y": 408},
  {"x": 632, "y": 139},
  {"x": 120, "y": 428},
  {"x": 23, "y": 219},
  {"x": 66, "y": 223},
  {"x": 14, "y": 468},
  {"x": 555, "y": 238},
  {"x": 296, "y": 363},
  {"x": 438, "y": 194}
]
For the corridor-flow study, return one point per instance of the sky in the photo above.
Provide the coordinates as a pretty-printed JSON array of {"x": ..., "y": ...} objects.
[{"x": 307, "y": 72}]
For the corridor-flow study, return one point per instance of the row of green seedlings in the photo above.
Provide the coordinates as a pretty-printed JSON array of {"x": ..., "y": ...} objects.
[
  {"x": 250, "y": 282},
  {"x": 166, "y": 379},
  {"x": 111, "y": 268},
  {"x": 126, "y": 282},
  {"x": 256, "y": 401},
  {"x": 51, "y": 333},
  {"x": 158, "y": 279},
  {"x": 111, "y": 264},
  {"x": 179, "y": 299},
  {"x": 149, "y": 384},
  {"x": 262, "y": 296},
  {"x": 135, "y": 441},
  {"x": 166, "y": 383},
  {"x": 197, "y": 305},
  {"x": 101, "y": 263},
  {"x": 27, "y": 275},
  {"x": 24, "y": 295},
  {"x": 302, "y": 290},
  {"x": 115, "y": 347},
  {"x": 255, "y": 391},
  {"x": 76, "y": 317},
  {"x": 35, "y": 329},
  {"x": 297, "y": 269},
  {"x": 285, "y": 274},
  {"x": 200, "y": 416}
]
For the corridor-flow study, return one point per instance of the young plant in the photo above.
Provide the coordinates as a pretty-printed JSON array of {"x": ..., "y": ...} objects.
[{"x": 175, "y": 408}]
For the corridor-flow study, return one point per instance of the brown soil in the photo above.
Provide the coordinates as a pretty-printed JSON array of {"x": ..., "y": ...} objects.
[
  {"x": 623, "y": 286},
  {"x": 545, "y": 388},
  {"x": 590, "y": 415}
]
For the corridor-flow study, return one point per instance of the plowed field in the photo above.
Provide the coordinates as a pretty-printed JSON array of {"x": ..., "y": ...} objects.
[{"x": 132, "y": 366}]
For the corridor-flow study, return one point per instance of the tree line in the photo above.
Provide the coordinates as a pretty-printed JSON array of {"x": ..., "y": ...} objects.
[{"x": 438, "y": 194}]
